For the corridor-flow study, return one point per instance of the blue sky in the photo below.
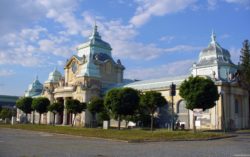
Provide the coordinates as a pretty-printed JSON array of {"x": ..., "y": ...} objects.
[{"x": 153, "y": 38}]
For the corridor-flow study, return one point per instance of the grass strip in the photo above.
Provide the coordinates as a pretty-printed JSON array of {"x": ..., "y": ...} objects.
[{"x": 126, "y": 135}]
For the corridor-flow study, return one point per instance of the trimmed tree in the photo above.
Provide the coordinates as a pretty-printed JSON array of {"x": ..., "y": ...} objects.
[
  {"x": 40, "y": 105},
  {"x": 244, "y": 68},
  {"x": 95, "y": 105},
  {"x": 5, "y": 113},
  {"x": 74, "y": 106},
  {"x": 150, "y": 101},
  {"x": 199, "y": 92},
  {"x": 121, "y": 102},
  {"x": 25, "y": 104},
  {"x": 55, "y": 108},
  {"x": 112, "y": 103},
  {"x": 130, "y": 102}
]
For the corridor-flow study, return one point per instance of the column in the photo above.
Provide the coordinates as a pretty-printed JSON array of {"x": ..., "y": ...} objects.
[
  {"x": 57, "y": 118},
  {"x": 64, "y": 112}
]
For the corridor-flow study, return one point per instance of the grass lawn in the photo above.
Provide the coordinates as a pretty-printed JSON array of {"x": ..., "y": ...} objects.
[{"x": 126, "y": 135}]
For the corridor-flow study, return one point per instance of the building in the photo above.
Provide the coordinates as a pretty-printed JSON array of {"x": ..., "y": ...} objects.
[
  {"x": 92, "y": 71},
  {"x": 7, "y": 101},
  {"x": 232, "y": 108}
]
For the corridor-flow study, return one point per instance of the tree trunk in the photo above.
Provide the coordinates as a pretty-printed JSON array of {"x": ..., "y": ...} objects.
[
  {"x": 54, "y": 120},
  {"x": 26, "y": 117},
  {"x": 119, "y": 122},
  {"x": 39, "y": 118},
  {"x": 33, "y": 120},
  {"x": 194, "y": 127},
  {"x": 152, "y": 121},
  {"x": 93, "y": 120}
]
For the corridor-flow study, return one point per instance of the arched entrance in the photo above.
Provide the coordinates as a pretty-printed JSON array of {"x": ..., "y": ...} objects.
[{"x": 183, "y": 113}]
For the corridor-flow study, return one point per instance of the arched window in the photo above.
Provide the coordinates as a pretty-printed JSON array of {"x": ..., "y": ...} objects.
[{"x": 181, "y": 107}]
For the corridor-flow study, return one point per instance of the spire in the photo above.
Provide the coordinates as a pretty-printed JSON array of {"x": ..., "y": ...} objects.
[
  {"x": 36, "y": 77},
  {"x": 95, "y": 33},
  {"x": 213, "y": 37}
]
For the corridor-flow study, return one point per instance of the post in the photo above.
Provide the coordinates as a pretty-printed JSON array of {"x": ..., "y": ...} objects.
[
  {"x": 172, "y": 94},
  {"x": 172, "y": 113}
]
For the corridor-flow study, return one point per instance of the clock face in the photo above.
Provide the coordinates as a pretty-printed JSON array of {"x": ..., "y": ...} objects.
[{"x": 74, "y": 67}]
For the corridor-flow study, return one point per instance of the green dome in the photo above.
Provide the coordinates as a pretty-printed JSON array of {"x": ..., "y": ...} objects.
[
  {"x": 214, "y": 53},
  {"x": 54, "y": 76},
  {"x": 34, "y": 89}
]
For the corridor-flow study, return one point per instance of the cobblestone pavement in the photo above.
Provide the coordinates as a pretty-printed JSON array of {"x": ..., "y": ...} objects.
[{"x": 20, "y": 143}]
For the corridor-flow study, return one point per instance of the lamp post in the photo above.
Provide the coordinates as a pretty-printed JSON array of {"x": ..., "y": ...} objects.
[{"x": 172, "y": 94}]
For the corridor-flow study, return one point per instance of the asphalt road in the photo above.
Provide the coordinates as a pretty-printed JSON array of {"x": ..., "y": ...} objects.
[{"x": 20, "y": 143}]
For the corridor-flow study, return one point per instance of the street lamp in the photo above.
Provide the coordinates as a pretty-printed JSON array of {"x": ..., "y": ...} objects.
[{"x": 172, "y": 93}]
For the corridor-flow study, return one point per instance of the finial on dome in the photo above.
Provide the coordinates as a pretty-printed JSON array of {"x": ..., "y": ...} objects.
[
  {"x": 95, "y": 33},
  {"x": 213, "y": 37}
]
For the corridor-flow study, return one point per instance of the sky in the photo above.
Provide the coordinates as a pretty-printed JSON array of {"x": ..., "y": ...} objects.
[{"x": 152, "y": 38}]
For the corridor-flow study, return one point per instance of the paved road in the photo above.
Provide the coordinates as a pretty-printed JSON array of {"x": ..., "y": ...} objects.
[{"x": 20, "y": 143}]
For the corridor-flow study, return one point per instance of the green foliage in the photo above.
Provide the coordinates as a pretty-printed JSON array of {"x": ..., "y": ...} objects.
[
  {"x": 112, "y": 101},
  {"x": 245, "y": 66},
  {"x": 129, "y": 98},
  {"x": 149, "y": 102},
  {"x": 24, "y": 104},
  {"x": 5, "y": 113},
  {"x": 102, "y": 116},
  {"x": 74, "y": 106},
  {"x": 199, "y": 92},
  {"x": 122, "y": 102},
  {"x": 95, "y": 105},
  {"x": 40, "y": 104},
  {"x": 56, "y": 107}
]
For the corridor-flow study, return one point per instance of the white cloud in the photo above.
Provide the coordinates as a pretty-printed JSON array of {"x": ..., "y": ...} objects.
[
  {"x": 167, "y": 38},
  {"x": 149, "y": 8},
  {"x": 212, "y": 4},
  {"x": 16, "y": 14},
  {"x": 170, "y": 69},
  {"x": 4, "y": 72},
  {"x": 30, "y": 47}
]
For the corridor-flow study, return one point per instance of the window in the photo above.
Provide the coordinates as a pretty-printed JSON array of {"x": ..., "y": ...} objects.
[
  {"x": 181, "y": 107},
  {"x": 236, "y": 106}
]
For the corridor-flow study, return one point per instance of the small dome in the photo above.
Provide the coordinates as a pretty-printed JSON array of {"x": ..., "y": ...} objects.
[
  {"x": 54, "y": 76},
  {"x": 214, "y": 53},
  {"x": 34, "y": 89}
]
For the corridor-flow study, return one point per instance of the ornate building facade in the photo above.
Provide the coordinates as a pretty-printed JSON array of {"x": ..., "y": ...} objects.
[{"x": 92, "y": 71}]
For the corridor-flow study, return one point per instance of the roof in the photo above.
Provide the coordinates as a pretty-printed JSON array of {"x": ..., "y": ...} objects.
[
  {"x": 7, "y": 100},
  {"x": 214, "y": 54},
  {"x": 156, "y": 83},
  {"x": 54, "y": 76}
]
